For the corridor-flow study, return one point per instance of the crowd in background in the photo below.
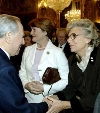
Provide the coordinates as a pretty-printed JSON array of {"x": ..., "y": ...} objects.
[{"x": 74, "y": 51}]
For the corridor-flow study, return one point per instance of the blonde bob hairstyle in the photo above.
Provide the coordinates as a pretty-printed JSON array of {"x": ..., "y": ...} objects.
[{"x": 89, "y": 28}]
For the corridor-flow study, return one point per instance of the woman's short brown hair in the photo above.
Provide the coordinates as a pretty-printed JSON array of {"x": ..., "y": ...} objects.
[{"x": 45, "y": 24}]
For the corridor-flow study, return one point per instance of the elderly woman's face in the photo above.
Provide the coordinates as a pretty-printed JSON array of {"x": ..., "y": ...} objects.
[{"x": 77, "y": 40}]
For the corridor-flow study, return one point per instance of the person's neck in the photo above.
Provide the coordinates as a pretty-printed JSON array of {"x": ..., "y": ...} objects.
[
  {"x": 82, "y": 52},
  {"x": 42, "y": 45},
  {"x": 62, "y": 44},
  {"x": 41, "y": 48}
]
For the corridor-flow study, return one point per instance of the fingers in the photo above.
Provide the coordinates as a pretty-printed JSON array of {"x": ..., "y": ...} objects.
[
  {"x": 36, "y": 92},
  {"x": 54, "y": 96},
  {"x": 37, "y": 86},
  {"x": 48, "y": 102},
  {"x": 44, "y": 99},
  {"x": 51, "y": 99},
  {"x": 55, "y": 107},
  {"x": 52, "y": 110},
  {"x": 34, "y": 87},
  {"x": 35, "y": 82}
]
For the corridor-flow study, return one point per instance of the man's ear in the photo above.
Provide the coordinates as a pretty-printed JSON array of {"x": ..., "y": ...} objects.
[{"x": 8, "y": 37}]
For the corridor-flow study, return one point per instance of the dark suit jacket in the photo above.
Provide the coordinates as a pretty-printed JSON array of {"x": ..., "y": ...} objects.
[
  {"x": 85, "y": 84},
  {"x": 12, "y": 97},
  {"x": 66, "y": 49}
]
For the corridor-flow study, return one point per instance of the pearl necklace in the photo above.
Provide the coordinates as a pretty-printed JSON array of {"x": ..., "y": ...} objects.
[{"x": 41, "y": 48}]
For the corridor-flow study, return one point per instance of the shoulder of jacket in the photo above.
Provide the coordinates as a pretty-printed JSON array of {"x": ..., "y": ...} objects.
[{"x": 30, "y": 47}]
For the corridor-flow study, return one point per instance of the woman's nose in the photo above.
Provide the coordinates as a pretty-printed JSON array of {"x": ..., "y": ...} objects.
[{"x": 69, "y": 40}]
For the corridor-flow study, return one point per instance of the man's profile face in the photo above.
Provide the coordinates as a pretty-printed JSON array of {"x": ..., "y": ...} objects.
[
  {"x": 61, "y": 36},
  {"x": 17, "y": 40}
]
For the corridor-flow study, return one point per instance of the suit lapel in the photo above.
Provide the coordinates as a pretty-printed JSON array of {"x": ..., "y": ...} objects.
[
  {"x": 47, "y": 52},
  {"x": 45, "y": 55},
  {"x": 32, "y": 52},
  {"x": 3, "y": 54},
  {"x": 92, "y": 64}
]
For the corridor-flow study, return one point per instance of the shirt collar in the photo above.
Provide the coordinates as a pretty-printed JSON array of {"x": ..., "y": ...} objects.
[
  {"x": 6, "y": 53},
  {"x": 62, "y": 45}
]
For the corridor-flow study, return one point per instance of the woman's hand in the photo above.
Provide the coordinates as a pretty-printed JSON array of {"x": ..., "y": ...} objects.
[
  {"x": 34, "y": 87},
  {"x": 47, "y": 101},
  {"x": 57, "y": 105}
]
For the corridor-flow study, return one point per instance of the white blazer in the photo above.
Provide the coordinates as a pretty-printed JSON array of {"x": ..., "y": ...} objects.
[{"x": 51, "y": 57}]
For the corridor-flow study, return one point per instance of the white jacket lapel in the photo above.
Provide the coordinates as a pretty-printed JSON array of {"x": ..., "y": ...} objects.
[{"x": 47, "y": 51}]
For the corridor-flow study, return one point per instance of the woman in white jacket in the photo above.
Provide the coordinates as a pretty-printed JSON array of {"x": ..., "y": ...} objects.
[{"x": 37, "y": 57}]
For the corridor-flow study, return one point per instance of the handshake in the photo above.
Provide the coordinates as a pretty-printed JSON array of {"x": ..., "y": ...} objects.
[{"x": 56, "y": 105}]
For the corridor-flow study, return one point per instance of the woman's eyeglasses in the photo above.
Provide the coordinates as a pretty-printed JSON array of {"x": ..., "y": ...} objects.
[{"x": 73, "y": 36}]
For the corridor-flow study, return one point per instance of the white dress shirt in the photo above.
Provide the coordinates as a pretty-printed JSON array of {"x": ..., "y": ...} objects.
[{"x": 62, "y": 46}]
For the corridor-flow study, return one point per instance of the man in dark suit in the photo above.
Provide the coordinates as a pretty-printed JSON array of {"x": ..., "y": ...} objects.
[
  {"x": 62, "y": 41},
  {"x": 12, "y": 97}
]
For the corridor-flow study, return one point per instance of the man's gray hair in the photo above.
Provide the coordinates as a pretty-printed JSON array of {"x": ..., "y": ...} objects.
[{"x": 8, "y": 23}]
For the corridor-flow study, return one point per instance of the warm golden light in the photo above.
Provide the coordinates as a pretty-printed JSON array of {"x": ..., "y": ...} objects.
[
  {"x": 73, "y": 14},
  {"x": 42, "y": 4},
  {"x": 58, "y": 5}
]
